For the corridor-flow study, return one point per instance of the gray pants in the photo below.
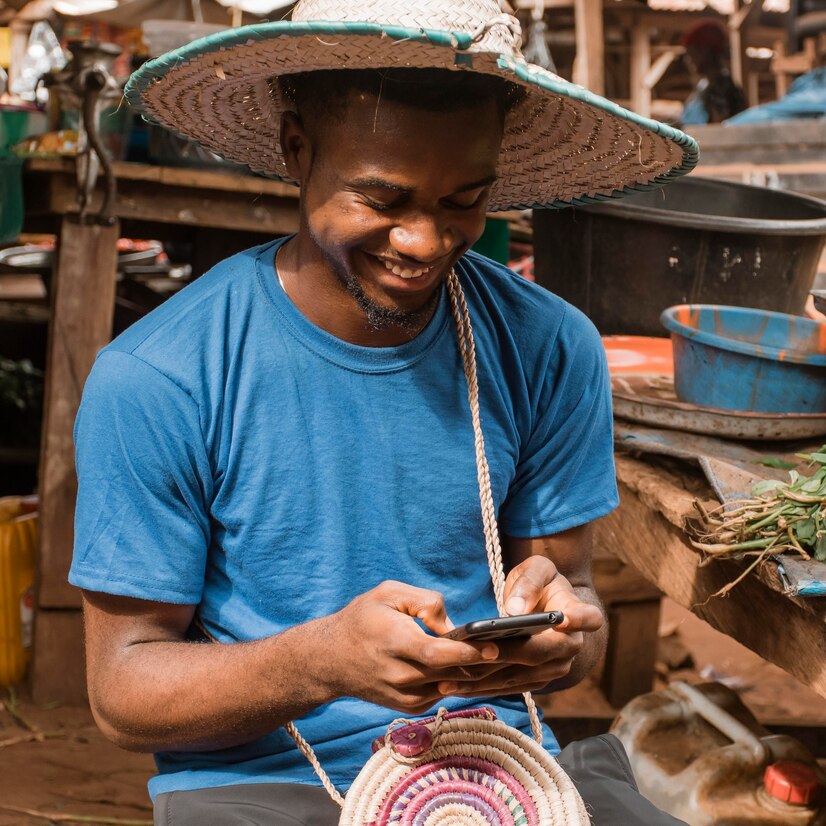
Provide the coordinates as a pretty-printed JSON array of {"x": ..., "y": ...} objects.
[{"x": 598, "y": 766}]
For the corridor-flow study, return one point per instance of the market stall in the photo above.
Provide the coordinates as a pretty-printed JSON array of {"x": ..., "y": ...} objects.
[{"x": 190, "y": 197}]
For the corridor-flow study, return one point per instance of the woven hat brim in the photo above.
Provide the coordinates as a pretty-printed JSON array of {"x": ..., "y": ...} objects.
[{"x": 563, "y": 145}]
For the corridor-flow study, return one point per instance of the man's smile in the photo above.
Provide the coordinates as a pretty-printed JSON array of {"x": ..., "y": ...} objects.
[
  {"x": 403, "y": 275},
  {"x": 401, "y": 270}
]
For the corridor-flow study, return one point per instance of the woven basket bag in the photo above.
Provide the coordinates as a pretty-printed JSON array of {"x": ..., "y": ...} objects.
[{"x": 464, "y": 768}]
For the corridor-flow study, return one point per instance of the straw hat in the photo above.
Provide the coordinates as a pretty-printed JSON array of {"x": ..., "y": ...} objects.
[{"x": 562, "y": 144}]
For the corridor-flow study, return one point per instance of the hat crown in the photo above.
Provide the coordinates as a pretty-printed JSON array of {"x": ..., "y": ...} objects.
[{"x": 493, "y": 30}]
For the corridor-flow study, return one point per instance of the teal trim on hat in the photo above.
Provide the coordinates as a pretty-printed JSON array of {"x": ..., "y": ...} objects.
[{"x": 156, "y": 69}]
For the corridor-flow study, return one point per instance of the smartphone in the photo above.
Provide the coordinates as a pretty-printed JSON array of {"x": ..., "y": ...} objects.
[{"x": 497, "y": 628}]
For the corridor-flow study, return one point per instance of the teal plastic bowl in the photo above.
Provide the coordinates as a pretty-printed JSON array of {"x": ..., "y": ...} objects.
[{"x": 738, "y": 358}]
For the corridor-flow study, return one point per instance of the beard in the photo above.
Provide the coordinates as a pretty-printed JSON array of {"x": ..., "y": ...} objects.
[{"x": 381, "y": 318}]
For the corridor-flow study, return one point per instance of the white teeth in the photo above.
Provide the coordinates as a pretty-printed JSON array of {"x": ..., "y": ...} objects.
[{"x": 397, "y": 270}]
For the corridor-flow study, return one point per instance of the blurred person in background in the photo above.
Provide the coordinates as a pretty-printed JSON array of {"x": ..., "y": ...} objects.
[{"x": 715, "y": 96}]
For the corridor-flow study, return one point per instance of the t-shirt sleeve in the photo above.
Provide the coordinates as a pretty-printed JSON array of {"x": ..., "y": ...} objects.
[
  {"x": 565, "y": 476},
  {"x": 144, "y": 484}
]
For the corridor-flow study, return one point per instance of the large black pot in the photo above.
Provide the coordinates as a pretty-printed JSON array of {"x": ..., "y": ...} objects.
[{"x": 697, "y": 241}]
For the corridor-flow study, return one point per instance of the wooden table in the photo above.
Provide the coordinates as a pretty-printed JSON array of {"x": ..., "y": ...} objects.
[
  {"x": 220, "y": 213},
  {"x": 647, "y": 533}
]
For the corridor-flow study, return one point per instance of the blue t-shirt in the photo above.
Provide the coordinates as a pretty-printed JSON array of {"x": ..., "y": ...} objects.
[{"x": 231, "y": 454}]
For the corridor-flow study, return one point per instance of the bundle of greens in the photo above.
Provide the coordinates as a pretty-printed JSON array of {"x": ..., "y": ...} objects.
[{"x": 781, "y": 517}]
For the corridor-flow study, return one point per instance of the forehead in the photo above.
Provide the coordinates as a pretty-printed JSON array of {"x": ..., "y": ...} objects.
[{"x": 371, "y": 134}]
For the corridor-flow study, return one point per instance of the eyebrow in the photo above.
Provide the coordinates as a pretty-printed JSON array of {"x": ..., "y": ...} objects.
[{"x": 380, "y": 182}]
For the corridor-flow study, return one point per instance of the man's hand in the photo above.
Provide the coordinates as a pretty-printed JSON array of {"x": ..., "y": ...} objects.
[
  {"x": 534, "y": 662},
  {"x": 376, "y": 650}
]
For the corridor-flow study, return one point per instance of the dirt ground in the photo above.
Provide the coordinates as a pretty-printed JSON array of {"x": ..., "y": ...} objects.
[{"x": 74, "y": 775}]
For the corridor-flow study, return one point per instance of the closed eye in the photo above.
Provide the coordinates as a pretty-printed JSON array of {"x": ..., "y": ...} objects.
[
  {"x": 467, "y": 200},
  {"x": 381, "y": 206}
]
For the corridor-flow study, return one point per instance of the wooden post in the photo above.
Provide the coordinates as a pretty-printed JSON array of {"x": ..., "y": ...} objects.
[
  {"x": 752, "y": 89},
  {"x": 781, "y": 81},
  {"x": 735, "y": 42},
  {"x": 736, "y": 23},
  {"x": 640, "y": 64},
  {"x": 589, "y": 66},
  {"x": 631, "y": 655},
  {"x": 83, "y": 297},
  {"x": 633, "y": 606}
]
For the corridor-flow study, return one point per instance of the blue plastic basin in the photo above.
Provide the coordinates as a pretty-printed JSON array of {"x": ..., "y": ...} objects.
[{"x": 738, "y": 358}]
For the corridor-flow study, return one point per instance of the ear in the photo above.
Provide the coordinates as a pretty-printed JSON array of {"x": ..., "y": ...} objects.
[{"x": 296, "y": 146}]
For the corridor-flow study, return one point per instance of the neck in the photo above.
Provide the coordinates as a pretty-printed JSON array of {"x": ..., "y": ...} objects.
[{"x": 312, "y": 285}]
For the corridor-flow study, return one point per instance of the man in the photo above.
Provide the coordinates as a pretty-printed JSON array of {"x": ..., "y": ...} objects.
[{"x": 281, "y": 457}]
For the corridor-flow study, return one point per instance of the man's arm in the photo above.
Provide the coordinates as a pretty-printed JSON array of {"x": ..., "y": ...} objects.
[
  {"x": 150, "y": 689},
  {"x": 570, "y": 553}
]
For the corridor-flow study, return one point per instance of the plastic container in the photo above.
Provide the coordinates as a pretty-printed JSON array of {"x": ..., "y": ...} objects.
[
  {"x": 639, "y": 355},
  {"x": 18, "y": 535},
  {"x": 18, "y": 123},
  {"x": 11, "y": 198},
  {"x": 736, "y": 358},
  {"x": 694, "y": 241},
  {"x": 699, "y": 754}
]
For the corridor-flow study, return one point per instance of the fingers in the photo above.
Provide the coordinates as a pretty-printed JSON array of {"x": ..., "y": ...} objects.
[
  {"x": 581, "y": 616},
  {"x": 436, "y": 654},
  {"x": 537, "y": 585},
  {"x": 418, "y": 675},
  {"x": 526, "y": 584},
  {"x": 431, "y": 652},
  {"x": 509, "y": 680},
  {"x": 422, "y": 603},
  {"x": 549, "y": 646}
]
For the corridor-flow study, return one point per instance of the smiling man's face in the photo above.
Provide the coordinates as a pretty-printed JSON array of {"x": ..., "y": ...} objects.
[{"x": 392, "y": 196}]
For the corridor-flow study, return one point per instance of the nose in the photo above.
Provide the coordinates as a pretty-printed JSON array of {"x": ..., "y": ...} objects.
[{"x": 422, "y": 238}]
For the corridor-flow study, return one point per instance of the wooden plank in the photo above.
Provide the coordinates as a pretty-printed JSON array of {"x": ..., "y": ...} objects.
[
  {"x": 660, "y": 66},
  {"x": 58, "y": 669},
  {"x": 83, "y": 295},
  {"x": 233, "y": 181},
  {"x": 632, "y": 651},
  {"x": 812, "y": 185},
  {"x": 547, "y": 4},
  {"x": 589, "y": 66},
  {"x": 148, "y": 200},
  {"x": 785, "y": 134},
  {"x": 750, "y": 169},
  {"x": 754, "y": 614}
]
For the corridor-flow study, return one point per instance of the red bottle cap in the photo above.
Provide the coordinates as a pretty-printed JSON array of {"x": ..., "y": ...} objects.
[{"x": 791, "y": 782}]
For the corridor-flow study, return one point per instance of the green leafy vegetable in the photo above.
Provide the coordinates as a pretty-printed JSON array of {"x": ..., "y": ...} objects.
[{"x": 781, "y": 517}]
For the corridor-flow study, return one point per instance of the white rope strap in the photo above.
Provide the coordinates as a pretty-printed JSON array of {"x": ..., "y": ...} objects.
[
  {"x": 493, "y": 547},
  {"x": 307, "y": 750},
  {"x": 467, "y": 348}
]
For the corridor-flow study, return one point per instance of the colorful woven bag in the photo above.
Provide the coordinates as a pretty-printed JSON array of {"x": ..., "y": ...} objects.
[{"x": 464, "y": 768}]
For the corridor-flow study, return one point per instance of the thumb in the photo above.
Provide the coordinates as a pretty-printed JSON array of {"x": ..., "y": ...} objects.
[{"x": 524, "y": 588}]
